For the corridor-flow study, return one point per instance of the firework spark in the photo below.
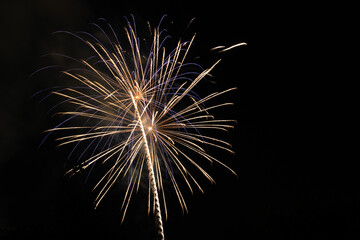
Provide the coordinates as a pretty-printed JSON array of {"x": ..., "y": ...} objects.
[{"x": 140, "y": 114}]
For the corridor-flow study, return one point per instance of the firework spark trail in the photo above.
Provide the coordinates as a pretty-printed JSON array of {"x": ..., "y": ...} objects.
[
  {"x": 131, "y": 103},
  {"x": 149, "y": 165}
]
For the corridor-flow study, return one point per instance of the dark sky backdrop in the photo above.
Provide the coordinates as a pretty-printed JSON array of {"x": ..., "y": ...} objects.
[{"x": 278, "y": 193}]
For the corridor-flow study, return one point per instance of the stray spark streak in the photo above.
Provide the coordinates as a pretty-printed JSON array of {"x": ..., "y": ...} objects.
[{"x": 140, "y": 114}]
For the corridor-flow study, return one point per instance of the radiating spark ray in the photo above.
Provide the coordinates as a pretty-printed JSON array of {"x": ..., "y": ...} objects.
[{"x": 233, "y": 46}]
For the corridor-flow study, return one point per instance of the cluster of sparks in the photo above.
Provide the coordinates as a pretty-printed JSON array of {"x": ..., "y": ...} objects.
[{"x": 140, "y": 113}]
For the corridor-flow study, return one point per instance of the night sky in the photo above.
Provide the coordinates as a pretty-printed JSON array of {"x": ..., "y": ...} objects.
[{"x": 281, "y": 192}]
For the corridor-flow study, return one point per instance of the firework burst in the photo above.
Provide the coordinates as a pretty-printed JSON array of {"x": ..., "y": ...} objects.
[{"x": 139, "y": 113}]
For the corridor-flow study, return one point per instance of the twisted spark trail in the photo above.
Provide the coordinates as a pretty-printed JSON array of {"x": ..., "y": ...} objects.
[
  {"x": 149, "y": 164},
  {"x": 140, "y": 112}
]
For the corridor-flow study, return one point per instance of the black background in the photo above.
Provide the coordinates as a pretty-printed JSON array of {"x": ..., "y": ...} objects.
[{"x": 283, "y": 191}]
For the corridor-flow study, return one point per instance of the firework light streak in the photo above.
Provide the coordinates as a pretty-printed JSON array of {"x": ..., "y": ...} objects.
[{"x": 140, "y": 112}]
